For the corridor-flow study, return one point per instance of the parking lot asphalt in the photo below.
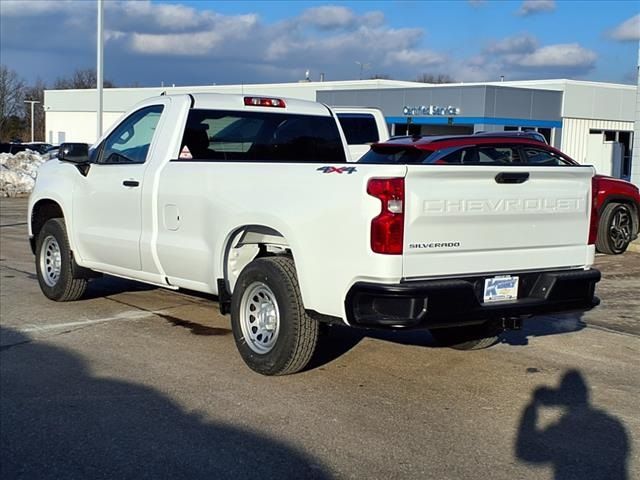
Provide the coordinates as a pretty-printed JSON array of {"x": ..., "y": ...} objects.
[{"x": 140, "y": 382}]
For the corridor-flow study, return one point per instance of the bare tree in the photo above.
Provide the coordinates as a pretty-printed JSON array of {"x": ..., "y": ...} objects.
[
  {"x": 80, "y": 79},
  {"x": 380, "y": 76},
  {"x": 431, "y": 78},
  {"x": 11, "y": 106},
  {"x": 36, "y": 92}
]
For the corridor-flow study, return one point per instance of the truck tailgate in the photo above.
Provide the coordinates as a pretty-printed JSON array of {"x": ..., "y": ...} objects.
[{"x": 482, "y": 219}]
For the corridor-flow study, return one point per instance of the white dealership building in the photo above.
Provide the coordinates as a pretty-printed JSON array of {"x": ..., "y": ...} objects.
[{"x": 592, "y": 122}]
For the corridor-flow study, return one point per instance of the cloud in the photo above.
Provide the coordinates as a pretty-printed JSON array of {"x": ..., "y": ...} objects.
[
  {"x": 530, "y": 7},
  {"x": 34, "y": 8},
  {"x": 524, "y": 51},
  {"x": 569, "y": 55},
  {"x": 198, "y": 43},
  {"x": 148, "y": 42},
  {"x": 523, "y": 43},
  {"x": 628, "y": 31},
  {"x": 329, "y": 17},
  {"x": 521, "y": 56},
  {"x": 418, "y": 58}
]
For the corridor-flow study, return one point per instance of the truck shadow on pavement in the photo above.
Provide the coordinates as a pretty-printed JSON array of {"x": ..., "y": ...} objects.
[
  {"x": 337, "y": 340},
  {"x": 586, "y": 443},
  {"x": 543, "y": 326},
  {"x": 61, "y": 422},
  {"x": 106, "y": 285}
]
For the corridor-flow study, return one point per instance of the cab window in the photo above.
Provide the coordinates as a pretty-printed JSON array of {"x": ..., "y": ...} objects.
[{"x": 130, "y": 141}]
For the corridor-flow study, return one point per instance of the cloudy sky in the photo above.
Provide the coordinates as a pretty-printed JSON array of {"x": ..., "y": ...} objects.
[{"x": 204, "y": 42}]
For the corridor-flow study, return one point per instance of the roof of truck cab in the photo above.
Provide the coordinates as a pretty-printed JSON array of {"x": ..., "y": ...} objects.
[{"x": 236, "y": 102}]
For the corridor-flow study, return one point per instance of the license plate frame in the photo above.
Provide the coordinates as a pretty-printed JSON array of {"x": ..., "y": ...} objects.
[{"x": 501, "y": 288}]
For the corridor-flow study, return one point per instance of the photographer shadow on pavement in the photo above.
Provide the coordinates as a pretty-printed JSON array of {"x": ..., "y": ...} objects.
[{"x": 586, "y": 443}]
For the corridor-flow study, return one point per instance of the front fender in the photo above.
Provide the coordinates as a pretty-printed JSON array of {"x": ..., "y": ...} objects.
[{"x": 55, "y": 183}]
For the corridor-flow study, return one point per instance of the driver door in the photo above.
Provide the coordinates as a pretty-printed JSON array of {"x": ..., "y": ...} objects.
[{"x": 107, "y": 202}]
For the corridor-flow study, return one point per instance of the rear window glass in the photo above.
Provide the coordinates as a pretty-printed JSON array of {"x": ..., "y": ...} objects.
[
  {"x": 475, "y": 155},
  {"x": 543, "y": 157},
  {"x": 261, "y": 136},
  {"x": 393, "y": 155},
  {"x": 359, "y": 128}
]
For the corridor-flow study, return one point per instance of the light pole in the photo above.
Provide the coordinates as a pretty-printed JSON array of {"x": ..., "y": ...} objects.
[
  {"x": 362, "y": 67},
  {"x": 32, "y": 102},
  {"x": 99, "y": 61}
]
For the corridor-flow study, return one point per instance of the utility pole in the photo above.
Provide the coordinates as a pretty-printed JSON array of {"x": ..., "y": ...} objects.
[
  {"x": 99, "y": 74},
  {"x": 32, "y": 102},
  {"x": 362, "y": 67}
]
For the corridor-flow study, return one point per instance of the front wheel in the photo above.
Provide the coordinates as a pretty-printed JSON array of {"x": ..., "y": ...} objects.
[
  {"x": 614, "y": 229},
  {"x": 272, "y": 330},
  {"x": 54, "y": 264},
  {"x": 473, "y": 337}
]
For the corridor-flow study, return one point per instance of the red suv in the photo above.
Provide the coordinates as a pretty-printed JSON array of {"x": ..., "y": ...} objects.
[{"x": 615, "y": 202}]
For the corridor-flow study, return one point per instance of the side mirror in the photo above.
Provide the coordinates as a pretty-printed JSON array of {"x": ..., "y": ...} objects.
[{"x": 74, "y": 153}]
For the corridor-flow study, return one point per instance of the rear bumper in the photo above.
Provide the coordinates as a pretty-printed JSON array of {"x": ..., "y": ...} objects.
[{"x": 458, "y": 302}]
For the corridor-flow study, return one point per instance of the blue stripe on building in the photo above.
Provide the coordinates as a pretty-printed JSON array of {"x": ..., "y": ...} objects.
[{"x": 516, "y": 122}]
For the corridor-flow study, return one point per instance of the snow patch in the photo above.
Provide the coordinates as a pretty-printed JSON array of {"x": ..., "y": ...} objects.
[{"x": 18, "y": 173}]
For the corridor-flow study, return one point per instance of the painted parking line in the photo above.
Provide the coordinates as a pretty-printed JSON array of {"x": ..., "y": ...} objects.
[{"x": 130, "y": 315}]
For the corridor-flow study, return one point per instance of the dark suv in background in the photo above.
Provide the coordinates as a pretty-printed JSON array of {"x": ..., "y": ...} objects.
[
  {"x": 616, "y": 202},
  {"x": 16, "y": 147}
]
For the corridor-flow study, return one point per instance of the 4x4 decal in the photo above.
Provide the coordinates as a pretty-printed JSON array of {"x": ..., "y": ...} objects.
[{"x": 347, "y": 170}]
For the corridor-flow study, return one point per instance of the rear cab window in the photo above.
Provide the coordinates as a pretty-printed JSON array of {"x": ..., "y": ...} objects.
[
  {"x": 220, "y": 135},
  {"x": 359, "y": 128}
]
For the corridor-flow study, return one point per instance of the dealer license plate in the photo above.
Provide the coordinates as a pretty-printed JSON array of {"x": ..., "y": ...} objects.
[{"x": 501, "y": 289}]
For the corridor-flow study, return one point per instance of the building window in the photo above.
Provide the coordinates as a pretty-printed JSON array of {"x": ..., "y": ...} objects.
[
  {"x": 546, "y": 132},
  {"x": 400, "y": 129}
]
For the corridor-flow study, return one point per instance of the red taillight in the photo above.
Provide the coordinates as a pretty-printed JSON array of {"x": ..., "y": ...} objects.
[
  {"x": 594, "y": 219},
  {"x": 264, "y": 102},
  {"x": 387, "y": 229}
]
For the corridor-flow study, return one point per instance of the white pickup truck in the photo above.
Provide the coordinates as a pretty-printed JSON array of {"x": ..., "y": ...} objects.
[{"x": 252, "y": 199}]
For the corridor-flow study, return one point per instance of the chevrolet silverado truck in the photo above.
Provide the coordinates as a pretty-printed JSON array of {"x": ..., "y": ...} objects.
[{"x": 252, "y": 199}]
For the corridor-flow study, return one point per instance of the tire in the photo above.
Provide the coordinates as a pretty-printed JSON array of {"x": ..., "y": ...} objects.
[
  {"x": 474, "y": 337},
  {"x": 614, "y": 229},
  {"x": 273, "y": 333},
  {"x": 54, "y": 264}
]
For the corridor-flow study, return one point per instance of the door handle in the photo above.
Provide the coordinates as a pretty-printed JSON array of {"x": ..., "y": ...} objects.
[
  {"x": 512, "y": 177},
  {"x": 130, "y": 183}
]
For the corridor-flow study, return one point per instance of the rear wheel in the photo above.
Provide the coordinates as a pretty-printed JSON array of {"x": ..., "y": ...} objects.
[
  {"x": 54, "y": 264},
  {"x": 272, "y": 330},
  {"x": 614, "y": 229},
  {"x": 474, "y": 337}
]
